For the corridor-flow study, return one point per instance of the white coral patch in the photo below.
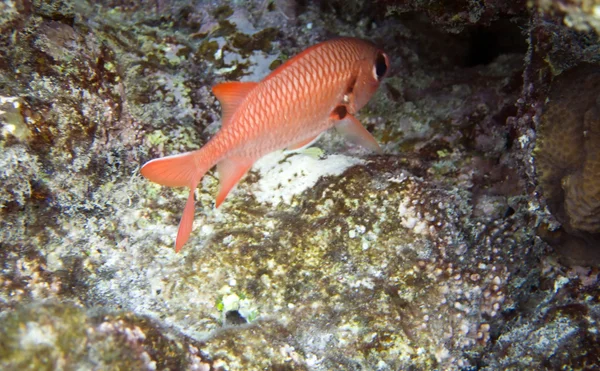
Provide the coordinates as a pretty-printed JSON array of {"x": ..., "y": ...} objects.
[
  {"x": 284, "y": 175},
  {"x": 411, "y": 219},
  {"x": 34, "y": 335}
]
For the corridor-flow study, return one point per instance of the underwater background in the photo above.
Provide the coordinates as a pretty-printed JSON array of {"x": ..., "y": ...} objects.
[{"x": 472, "y": 243}]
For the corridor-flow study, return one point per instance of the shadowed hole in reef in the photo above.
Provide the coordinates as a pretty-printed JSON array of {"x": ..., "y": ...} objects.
[
  {"x": 233, "y": 317},
  {"x": 475, "y": 45},
  {"x": 486, "y": 43}
]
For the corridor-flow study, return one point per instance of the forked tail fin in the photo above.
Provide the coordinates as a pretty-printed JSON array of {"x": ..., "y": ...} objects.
[
  {"x": 184, "y": 170},
  {"x": 174, "y": 171}
]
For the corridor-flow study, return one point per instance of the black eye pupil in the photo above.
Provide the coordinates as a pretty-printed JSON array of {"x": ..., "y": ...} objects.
[{"x": 380, "y": 65}]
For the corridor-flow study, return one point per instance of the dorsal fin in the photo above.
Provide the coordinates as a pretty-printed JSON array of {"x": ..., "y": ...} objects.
[{"x": 231, "y": 94}]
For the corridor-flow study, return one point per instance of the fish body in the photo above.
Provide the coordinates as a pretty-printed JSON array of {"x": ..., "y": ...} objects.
[{"x": 322, "y": 87}]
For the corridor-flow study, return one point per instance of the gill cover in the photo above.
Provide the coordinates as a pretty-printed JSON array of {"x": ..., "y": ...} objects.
[{"x": 371, "y": 71}]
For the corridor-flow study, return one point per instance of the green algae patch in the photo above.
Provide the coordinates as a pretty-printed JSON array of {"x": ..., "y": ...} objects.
[
  {"x": 222, "y": 12},
  {"x": 207, "y": 50},
  {"x": 259, "y": 41},
  {"x": 225, "y": 28}
]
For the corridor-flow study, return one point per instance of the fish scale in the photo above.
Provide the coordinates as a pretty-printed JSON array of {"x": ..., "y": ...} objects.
[{"x": 322, "y": 87}]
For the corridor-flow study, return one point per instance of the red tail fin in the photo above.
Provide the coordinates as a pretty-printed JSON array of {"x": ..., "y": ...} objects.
[
  {"x": 178, "y": 171},
  {"x": 173, "y": 171}
]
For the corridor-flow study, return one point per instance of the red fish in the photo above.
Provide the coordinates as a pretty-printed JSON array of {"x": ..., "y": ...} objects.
[{"x": 322, "y": 87}]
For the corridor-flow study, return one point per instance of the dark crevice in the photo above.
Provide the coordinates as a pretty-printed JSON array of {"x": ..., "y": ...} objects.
[{"x": 486, "y": 43}]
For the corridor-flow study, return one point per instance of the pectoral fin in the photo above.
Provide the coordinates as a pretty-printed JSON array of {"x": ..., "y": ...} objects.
[
  {"x": 354, "y": 132},
  {"x": 231, "y": 170}
]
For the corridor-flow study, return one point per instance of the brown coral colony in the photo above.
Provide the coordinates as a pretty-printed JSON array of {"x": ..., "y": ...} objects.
[{"x": 568, "y": 156}]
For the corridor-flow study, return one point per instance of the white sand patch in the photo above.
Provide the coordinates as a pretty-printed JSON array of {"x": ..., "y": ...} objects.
[{"x": 281, "y": 178}]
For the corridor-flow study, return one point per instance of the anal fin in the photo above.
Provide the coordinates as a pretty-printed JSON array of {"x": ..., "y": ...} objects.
[
  {"x": 354, "y": 132},
  {"x": 231, "y": 170}
]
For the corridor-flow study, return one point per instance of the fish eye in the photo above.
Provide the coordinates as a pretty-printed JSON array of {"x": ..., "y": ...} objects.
[{"x": 381, "y": 65}]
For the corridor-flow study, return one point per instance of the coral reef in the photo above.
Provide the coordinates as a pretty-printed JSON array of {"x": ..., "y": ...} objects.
[
  {"x": 561, "y": 331},
  {"x": 423, "y": 258},
  {"x": 559, "y": 52}
]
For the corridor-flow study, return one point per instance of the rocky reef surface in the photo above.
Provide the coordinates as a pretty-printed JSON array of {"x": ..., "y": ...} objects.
[{"x": 471, "y": 243}]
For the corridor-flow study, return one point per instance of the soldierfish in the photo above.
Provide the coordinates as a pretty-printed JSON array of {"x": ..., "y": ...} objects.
[{"x": 323, "y": 86}]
